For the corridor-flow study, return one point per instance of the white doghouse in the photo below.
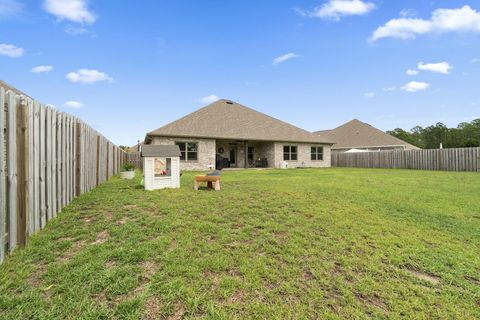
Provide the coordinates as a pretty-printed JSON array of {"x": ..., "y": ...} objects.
[{"x": 161, "y": 166}]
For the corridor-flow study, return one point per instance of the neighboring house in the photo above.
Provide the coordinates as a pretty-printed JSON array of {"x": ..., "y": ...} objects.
[
  {"x": 359, "y": 135},
  {"x": 227, "y": 134},
  {"x": 135, "y": 148}
]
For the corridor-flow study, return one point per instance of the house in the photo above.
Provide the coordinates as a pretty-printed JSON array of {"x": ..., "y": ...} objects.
[
  {"x": 359, "y": 135},
  {"x": 226, "y": 134}
]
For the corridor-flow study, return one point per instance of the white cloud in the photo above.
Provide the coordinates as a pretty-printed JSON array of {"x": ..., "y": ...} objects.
[
  {"x": 369, "y": 95},
  {"x": 412, "y": 72},
  {"x": 10, "y": 8},
  {"x": 388, "y": 89},
  {"x": 73, "y": 10},
  {"x": 335, "y": 9},
  {"x": 284, "y": 58},
  {"x": 464, "y": 19},
  {"x": 73, "y": 31},
  {"x": 41, "y": 69},
  {"x": 414, "y": 86},
  {"x": 441, "y": 67},
  {"x": 408, "y": 13},
  {"x": 475, "y": 60},
  {"x": 73, "y": 105},
  {"x": 88, "y": 76},
  {"x": 208, "y": 99},
  {"x": 11, "y": 51}
]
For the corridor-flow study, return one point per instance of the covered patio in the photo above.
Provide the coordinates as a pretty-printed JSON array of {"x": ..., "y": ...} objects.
[{"x": 244, "y": 154}]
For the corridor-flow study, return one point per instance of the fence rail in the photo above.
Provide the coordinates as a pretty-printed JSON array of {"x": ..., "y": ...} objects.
[
  {"x": 459, "y": 159},
  {"x": 47, "y": 158}
]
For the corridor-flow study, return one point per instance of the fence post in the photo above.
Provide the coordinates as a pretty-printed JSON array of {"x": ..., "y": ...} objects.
[
  {"x": 478, "y": 159},
  {"x": 78, "y": 136},
  {"x": 22, "y": 167},
  {"x": 3, "y": 186},
  {"x": 12, "y": 170}
]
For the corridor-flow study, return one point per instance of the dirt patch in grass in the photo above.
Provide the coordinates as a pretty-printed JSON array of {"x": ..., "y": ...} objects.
[
  {"x": 122, "y": 221},
  {"x": 308, "y": 276},
  {"x": 238, "y": 296},
  {"x": 101, "y": 237},
  {"x": 337, "y": 269},
  {"x": 110, "y": 264},
  {"x": 149, "y": 268},
  {"x": 64, "y": 239},
  {"x": 179, "y": 311},
  {"x": 76, "y": 247},
  {"x": 35, "y": 278},
  {"x": 102, "y": 299},
  {"x": 135, "y": 292},
  {"x": 429, "y": 277},
  {"x": 472, "y": 280},
  {"x": 281, "y": 235},
  {"x": 109, "y": 215},
  {"x": 214, "y": 277},
  {"x": 130, "y": 206},
  {"x": 374, "y": 301},
  {"x": 235, "y": 272},
  {"x": 152, "y": 309},
  {"x": 89, "y": 220},
  {"x": 336, "y": 297}
]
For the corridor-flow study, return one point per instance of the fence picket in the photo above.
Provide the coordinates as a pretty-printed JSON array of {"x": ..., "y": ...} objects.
[
  {"x": 3, "y": 186},
  {"x": 44, "y": 164},
  {"x": 12, "y": 169},
  {"x": 459, "y": 159}
]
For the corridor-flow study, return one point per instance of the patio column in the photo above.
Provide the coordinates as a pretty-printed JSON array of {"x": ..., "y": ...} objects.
[{"x": 245, "y": 149}]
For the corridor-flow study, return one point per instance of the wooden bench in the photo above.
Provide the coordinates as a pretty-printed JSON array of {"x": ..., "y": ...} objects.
[{"x": 212, "y": 182}]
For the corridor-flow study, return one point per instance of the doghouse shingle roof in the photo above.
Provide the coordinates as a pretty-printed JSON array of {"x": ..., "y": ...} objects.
[{"x": 161, "y": 151}]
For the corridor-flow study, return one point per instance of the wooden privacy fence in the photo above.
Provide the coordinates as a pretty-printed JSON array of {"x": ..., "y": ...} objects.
[
  {"x": 459, "y": 159},
  {"x": 135, "y": 159},
  {"x": 47, "y": 158}
]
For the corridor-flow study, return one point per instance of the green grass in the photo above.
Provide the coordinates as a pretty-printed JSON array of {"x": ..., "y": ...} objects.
[{"x": 279, "y": 244}]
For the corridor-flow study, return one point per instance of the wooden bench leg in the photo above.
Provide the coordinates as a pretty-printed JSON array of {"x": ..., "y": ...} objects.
[
  {"x": 217, "y": 185},
  {"x": 195, "y": 186},
  {"x": 209, "y": 185}
]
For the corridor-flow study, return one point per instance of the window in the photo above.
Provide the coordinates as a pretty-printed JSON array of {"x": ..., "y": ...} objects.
[
  {"x": 162, "y": 167},
  {"x": 317, "y": 153},
  {"x": 290, "y": 153},
  {"x": 189, "y": 150}
]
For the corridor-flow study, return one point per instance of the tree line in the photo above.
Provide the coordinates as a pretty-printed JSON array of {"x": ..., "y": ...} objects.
[{"x": 466, "y": 134}]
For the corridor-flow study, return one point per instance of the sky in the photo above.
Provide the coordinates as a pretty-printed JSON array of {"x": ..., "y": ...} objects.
[{"x": 129, "y": 67}]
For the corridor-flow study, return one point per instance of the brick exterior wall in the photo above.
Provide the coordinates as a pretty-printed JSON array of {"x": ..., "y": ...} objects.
[
  {"x": 304, "y": 156},
  {"x": 273, "y": 151},
  {"x": 206, "y": 152}
]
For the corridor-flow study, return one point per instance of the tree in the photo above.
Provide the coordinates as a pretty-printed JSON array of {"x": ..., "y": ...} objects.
[{"x": 466, "y": 134}]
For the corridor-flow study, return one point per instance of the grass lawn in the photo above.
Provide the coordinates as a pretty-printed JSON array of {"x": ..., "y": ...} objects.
[{"x": 280, "y": 244}]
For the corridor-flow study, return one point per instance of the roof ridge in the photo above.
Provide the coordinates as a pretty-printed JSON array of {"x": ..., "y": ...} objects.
[{"x": 227, "y": 119}]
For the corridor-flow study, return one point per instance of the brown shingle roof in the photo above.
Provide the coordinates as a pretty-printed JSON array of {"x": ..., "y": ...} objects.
[
  {"x": 358, "y": 134},
  {"x": 161, "y": 151},
  {"x": 225, "y": 119}
]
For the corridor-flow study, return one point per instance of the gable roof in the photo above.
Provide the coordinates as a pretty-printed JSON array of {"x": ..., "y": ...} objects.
[
  {"x": 161, "y": 151},
  {"x": 358, "y": 134},
  {"x": 225, "y": 119}
]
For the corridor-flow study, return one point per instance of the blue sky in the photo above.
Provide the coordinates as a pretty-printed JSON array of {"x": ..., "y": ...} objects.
[{"x": 128, "y": 67}]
